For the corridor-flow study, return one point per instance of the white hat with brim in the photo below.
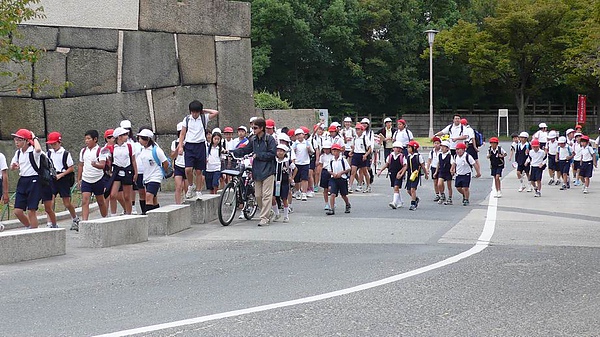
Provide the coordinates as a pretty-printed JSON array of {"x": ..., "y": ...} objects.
[
  {"x": 445, "y": 143},
  {"x": 569, "y": 131},
  {"x": 524, "y": 134},
  {"x": 542, "y": 125},
  {"x": 283, "y": 147},
  {"x": 562, "y": 139},
  {"x": 119, "y": 131},
  {"x": 348, "y": 119},
  {"x": 397, "y": 144},
  {"x": 125, "y": 124},
  {"x": 243, "y": 128},
  {"x": 365, "y": 121},
  {"x": 552, "y": 134},
  {"x": 284, "y": 137},
  {"x": 216, "y": 130},
  {"x": 145, "y": 133},
  {"x": 336, "y": 124},
  {"x": 299, "y": 131},
  {"x": 387, "y": 119}
]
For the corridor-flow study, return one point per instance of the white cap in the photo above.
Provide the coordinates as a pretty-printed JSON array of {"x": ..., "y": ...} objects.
[
  {"x": 119, "y": 131},
  {"x": 524, "y": 134},
  {"x": 145, "y": 133},
  {"x": 336, "y": 124},
  {"x": 180, "y": 126},
  {"x": 125, "y": 124},
  {"x": 397, "y": 144},
  {"x": 365, "y": 120},
  {"x": 299, "y": 131},
  {"x": 322, "y": 126},
  {"x": 327, "y": 144},
  {"x": 243, "y": 128},
  {"x": 569, "y": 131},
  {"x": 252, "y": 119},
  {"x": 387, "y": 119},
  {"x": 578, "y": 134},
  {"x": 283, "y": 147},
  {"x": 562, "y": 139},
  {"x": 284, "y": 137},
  {"x": 552, "y": 134},
  {"x": 445, "y": 143},
  {"x": 215, "y": 130},
  {"x": 542, "y": 125},
  {"x": 348, "y": 119}
]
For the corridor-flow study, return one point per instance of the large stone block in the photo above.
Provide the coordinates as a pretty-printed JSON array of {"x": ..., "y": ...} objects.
[
  {"x": 89, "y": 38},
  {"x": 115, "y": 231},
  {"x": 92, "y": 72},
  {"x": 197, "y": 59},
  {"x": 36, "y": 36},
  {"x": 17, "y": 113},
  {"x": 205, "y": 209},
  {"x": 292, "y": 118},
  {"x": 207, "y": 17},
  {"x": 234, "y": 78},
  {"x": 73, "y": 116},
  {"x": 49, "y": 74},
  {"x": 168, "y": 220},
  {"x": 171, "y": 105},
  {"x": 18, "y": 79},
  {"x": 149, "y": 61},
  {"x": 31, "y": 244}
]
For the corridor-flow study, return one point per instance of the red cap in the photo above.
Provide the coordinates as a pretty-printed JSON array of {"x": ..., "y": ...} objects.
[
  {"x": 360, "y": 126},
  {"x": 585, "y": 138},
  {"x": 402, "y": 121},
  {"x": 108, "y": 133},
  {"x": 291, "y": 133},
  {"x": 494, "y": 140},
  {"x": 435, "y": 139},
  {"x": 461, "y": 146},
  {"x": 332, "y": 128},
  {"x": 535, "y": 142},
  {"x": 23, "y": 133},
  {"x": 578, "y": 126},
  {"x": 270, "y": 124},
  {"x": 54, "y": 137},
  {"x": 464, "y": 121},
  {"x": 305, "y": 129},
  {"x": 336, "y": 146},
  {"x": 413, "y": 144},
  {"x": 228, "y": 129}
]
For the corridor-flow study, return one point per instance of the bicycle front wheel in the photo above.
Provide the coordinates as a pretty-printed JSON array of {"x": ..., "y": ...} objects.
[{"x": 228, "y": 204}]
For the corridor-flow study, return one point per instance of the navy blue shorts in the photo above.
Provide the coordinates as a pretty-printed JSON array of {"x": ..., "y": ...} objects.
[
  {"x": 357, "y": 160},
  {"x": 313, "y": 163},
  {"x": 62, "y": 187},
  {"x": 139, "y": 182},
  {"x": 497, "y": 171},
  {"x": 325, "y": 179},
  {"x": 586, "y": 169},
  {"x": 179, "y": 172},
  {"x": 564, "y": 166},
  {"x": 212, "y": 179},
  {"x": 576, "y": 165},
  {"x": 195, "y": 155},
  {"x": 124, "y": 175},
  {"x": 412, "y": 184},
  {"x": 96, "y": 188},
  {"x": 445, "y": 175},
  {"x": 347, "y": 154},
  {"x": 47, "y": 192},
  {"x": 302, "y": 172},
  {"x": 523, "y": 168},
  {"x": 462, "y": 180},
  {"x": 536, "y": 174},
  {"x": 394, "y": 181},
  {"x": 552, "y": 162},
  {"x": 433, "y": 171},
  {"x": 339, "y": 186},
  {"x": 471, "y": 150},
  {"x": 152, "y": 187},
  {"x": 28, "y": 193}
]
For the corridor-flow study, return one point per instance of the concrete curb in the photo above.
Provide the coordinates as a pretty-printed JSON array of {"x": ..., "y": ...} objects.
[{"x": 14, "y": 224}]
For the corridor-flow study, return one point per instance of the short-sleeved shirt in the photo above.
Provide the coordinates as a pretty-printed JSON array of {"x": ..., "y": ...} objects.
[
  {"x": 552, "y": 147},
  {"x": 349, "y": 135},
  {"x": 121, "y": 156},
  {"x": 87, "y": 156},
  {"x": 195, "y": 128},
  {"x": 587, "y": 153},
  {"x": 434, "y": 156},
  {"x": 454, "y": 131},
  {"x": 25, "y": 167},
  {"x": 325, "y": 159},
  {"x": 213, "y": 159},
  {"x": 180, "y": 160},
  {"x": 152, "y": 171},
  {"x": 463, "y": 163},
  {"x": 339, "y": 165},
  {"x": 301, "y": 149},
  {"x": 536, "y": 157},
  {"x": 57, "y": 159},
  {"x": 3, "y": 165},
  {"x": 564, "y": 152},
  {"x": 362, "y": 143},
  {"x": 403, "y": 136}
]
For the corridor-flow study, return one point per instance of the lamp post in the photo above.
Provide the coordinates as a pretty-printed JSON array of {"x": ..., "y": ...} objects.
[{"x": 430, "y": 37}]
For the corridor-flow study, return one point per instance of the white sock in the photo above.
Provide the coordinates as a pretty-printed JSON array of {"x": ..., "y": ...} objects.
[
  {"x": 286, "y": 211},
  {"x": 396, "y": 197},
  {"x": 276, "y": 210}
]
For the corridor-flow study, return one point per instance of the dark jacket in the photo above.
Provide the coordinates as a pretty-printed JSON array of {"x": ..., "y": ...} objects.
[
  {"x": 382, "y": 132},
  {"x": 265, "y": 149}
]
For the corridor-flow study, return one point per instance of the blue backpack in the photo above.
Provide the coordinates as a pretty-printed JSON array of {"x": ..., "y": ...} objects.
[{"x": 168, "y": 173}]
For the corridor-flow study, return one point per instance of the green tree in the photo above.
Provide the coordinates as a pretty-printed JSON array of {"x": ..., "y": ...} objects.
[{"x": 270, "y": 101}]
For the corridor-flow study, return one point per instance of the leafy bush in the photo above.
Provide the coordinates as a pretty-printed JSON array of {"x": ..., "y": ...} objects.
[{"x": 270, "y": 101}]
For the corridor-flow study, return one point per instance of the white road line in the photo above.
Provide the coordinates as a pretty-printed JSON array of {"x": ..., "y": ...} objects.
[{"x": 482, "y": 243}]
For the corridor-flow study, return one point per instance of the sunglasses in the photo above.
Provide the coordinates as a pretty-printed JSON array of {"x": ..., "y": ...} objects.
[{"x": 255, "y": 128}]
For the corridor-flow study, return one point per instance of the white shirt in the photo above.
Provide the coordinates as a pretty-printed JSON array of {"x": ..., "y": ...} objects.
[
  {"x": 454, "y": 131},
  {"x": 577, "y": 150},
  {"x": 462, "y": 163},
  {"x": 152, "y": 171},
  {"x": 587, "y": 153},
  {"x": 325, "y": 159},
  {"x": 552, "y": 147},
  {"x": 121, "y": 155},
  {"x": 230, "y": 144},
  {"x": 403, "y": 136},
  {"x": 337, "y": 166},
  {"x": 57, "y": 159},
  {"x": 180, "y": 160},
  {"x": 434, "y": 156},
  {"x": 470, "y": 134},
  {"x": 137, "y": 149},
  {"x": 195, "y": 128},
  {"x": 301, "y": 149},
  {"x": 213, "y": 159},
  {"x": 338, "y": 140},
  {"x": 564, "y": 152},
  {"x": 360, "y": 142},
  {"x": 540, "y": 135},
  {"x": 90, "y": 174},
  {"x": 349, "y": 134},
  {"x": 3, "y": 165},
  {"x": 25, "y": 168},
  {"x": 536, "y": 158}
]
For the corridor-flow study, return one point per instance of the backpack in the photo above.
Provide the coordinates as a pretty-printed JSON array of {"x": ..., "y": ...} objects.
[
  {"x": 46, "y": 170},
  {"x": 462, "y": 128},
  {"x": 71, "y": 176},
  {"x": 168, "y": 173},
  {"x": 343, "y": 165},
  {"x": 202, "y": 118},
  {"x": 479, "y": 138}
]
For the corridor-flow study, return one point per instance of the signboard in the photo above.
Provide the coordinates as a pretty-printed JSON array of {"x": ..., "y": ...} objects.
[
  {"x": 503, "y": 113},
  {"x": 581, "y": 109},
  {"x": 322, "y": 115}
]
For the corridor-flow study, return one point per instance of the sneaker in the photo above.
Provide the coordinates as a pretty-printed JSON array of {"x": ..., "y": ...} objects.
[
  {"x": 358, "y": 188},
  {"x": 326, "y": 207},
  {"x": 75, "y": 225},
  {"x": 263, "y": 224},
  {"x": 310, "y": 194},
  {"x": 563, "y": 187},
  {"x": 400, "y": 205},
  {"x": 271, "y": 216},
  {"x": 198, "y": 195},
  {"x": 465, "y": 202},
  {"x": 350, "y": 191},
  {"x": 367, "y": 190},
  {"x": 436, "y": 198},
  {"x": 392, "y": 205},
  {"x": 412, "y": 207},
  {"x": 442, "y": 199},
  {"x": 241, "y": 216},
  {"x": 190, "y": 192},
  {"x": 521, "y": 189},
  {"x": 529, "y": 189},
  {"x": 557, "y": 182},
  {"x": 585, "y": 190},
  {"x": 330, "y": 212},
  {"x": 348, "y": 207},
  {"x": 298, "y": 196},
  {"x": 448, "y": 201},
  {"x": 417, "y": 202},
  {"x": 316, "y": 189},
  {"x": 499, "y": 194},
  {"x": 551, "y": 182},
  {"x": 291, "y": 209},
  {"x": 577, "y": 183},
  {"x": 1, "y": 227},
  {"x": 538, "y": 194},
  {"x": 286, "y": 219},
  {"x": 134, "y": 211},
  {"x": 568, "y": 186},
  {"x": 304, "y": 197}
]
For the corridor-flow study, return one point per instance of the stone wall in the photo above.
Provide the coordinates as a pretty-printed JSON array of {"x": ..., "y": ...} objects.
[{"x": 177, "y": 51}]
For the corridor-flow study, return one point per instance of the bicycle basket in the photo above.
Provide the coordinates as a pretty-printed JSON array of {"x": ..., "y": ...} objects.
[{"x": 231, "y": 166}]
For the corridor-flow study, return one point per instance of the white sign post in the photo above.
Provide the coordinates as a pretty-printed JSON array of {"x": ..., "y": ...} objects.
[
  {"x": 502, "y": 113},
  {"x": 322, "y": 115}
]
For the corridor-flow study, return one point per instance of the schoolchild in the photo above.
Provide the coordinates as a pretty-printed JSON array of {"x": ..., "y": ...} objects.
[
  {"x": 432, "y": 164},
  {"x": 314, "y": 175},
  {"x": 339, "y": 169},
  {"x": 65, "y": 178},
  {"x": 496, "y": 155},
  {"x": 284, "y": 139},
  {"x": 403, "y": 135},
  {"x": 324, "y": 159},
  {"x": 415, "y": 163},
  {"x": 396, "y": 166},
  {"x": 212, "y": 173},
  {"x": 551, "y": 150},
  {"x": 28, "y": 195},
  {"x": 90, "y": 175},
  {"x": 155, "y": 163},
  {"x": 588, "y": 158},
  {"x": 456, "y": 133},
  {"x": 336, "y": 137},
  {"x": 513, "y": 145},
  {"x": 281, "y": 189},
  {"x": 179, "y": 167},
  {"x": 270, "y": 129},
  {"x": 541, "y": 135},
  {"x": 443, "y": 173},
  {"x": 521, "y": 152},
  {"x": 537, "y": 161},
  {"x": 303, "y": 151},
  {"x": 370, "y": 137},
  {"x": 462, "y": 165},
  {"x": 563, "y": 158},
  {"x": 124, "y": 168},
  {"x": 361, "y": 149},
  {"x": 138, "y": 186},
  {"x": 349, "y": 134},
  {"x": 228, "y": 138},
  {"x": 241, "y": 140},
  {"x": 577, "y": 159}
]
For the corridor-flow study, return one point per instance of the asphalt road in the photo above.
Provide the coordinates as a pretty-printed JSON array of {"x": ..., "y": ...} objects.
[{"x": 538, "y": 277}]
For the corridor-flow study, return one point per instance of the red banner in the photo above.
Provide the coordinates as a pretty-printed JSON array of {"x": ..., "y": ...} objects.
[{"x": 581, "y": 109}]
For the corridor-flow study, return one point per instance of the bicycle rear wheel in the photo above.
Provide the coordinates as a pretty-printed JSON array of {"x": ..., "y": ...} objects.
[{"x": 228, "y": 204}]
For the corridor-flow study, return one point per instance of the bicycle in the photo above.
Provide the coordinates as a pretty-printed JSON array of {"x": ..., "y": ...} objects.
[{"x": 239, "y": 191}]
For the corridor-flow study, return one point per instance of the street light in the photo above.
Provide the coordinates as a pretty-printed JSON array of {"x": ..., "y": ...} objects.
[{"x": 430, "y": 37}]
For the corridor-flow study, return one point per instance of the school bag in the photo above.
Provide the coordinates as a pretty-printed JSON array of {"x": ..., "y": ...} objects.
[
  {"x": 500, "y": 159},
  {"x": 46, "y": 171},
  {"x": 168, "y": 173},
  {"x": 71, "y": 176},
  {"x": 202, "y": 118},
  {"x": 479, "y": 138}
]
